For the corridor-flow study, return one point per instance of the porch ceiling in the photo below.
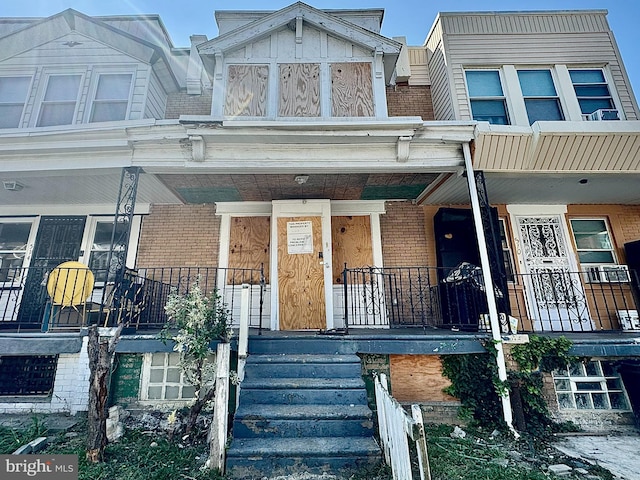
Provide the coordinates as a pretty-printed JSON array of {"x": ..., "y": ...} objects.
[
  {"x": 548, "y": 189},
  {"x": 210, "y": 188},
  {"x": 77, "y": 188}
]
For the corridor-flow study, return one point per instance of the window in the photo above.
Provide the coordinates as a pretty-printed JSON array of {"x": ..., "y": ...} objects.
[
  {"x": 14, "y": 237},
  {"x": 593, "y": 241},
  {"x": 163, "y": 379},
  {"x": 13, "y": 95},
  {"x": 487, "y": 98},
  {"x": 59, "y": 103},
  {"x": 27, "y": 375},
  {"x": 506, "y": 252},
  {"x": 540, "y": 97},
  {"x": 591, "y": 89},
  {"x": 100, "y": 247},
  {"x": 112, "y": 98},
  {"x": 592, "y": 385}
]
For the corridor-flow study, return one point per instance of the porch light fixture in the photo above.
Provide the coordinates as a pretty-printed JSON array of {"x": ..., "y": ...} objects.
[
  {"x": 301, "y": 179},
  {"x": 12, "y": 186},
  {"x": 583, "y": 181}
]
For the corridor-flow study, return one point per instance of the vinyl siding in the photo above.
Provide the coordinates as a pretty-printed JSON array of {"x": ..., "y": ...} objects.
[
  {"x": 156, "y": 99},
  {"x": 439, "y": 75}
]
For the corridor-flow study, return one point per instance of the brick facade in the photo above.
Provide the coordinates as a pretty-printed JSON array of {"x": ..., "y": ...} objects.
[
  {"x": 179, "y": 236},
  {"x": 410, "y": 100},
  {"x": 404, "y": 239},
  {"x": 181, "y": 103}
]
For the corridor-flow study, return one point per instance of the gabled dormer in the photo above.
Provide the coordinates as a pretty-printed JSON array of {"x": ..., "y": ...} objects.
[
  {"x": 71, "y": 69},
  {"x": 299, "y": 62}
]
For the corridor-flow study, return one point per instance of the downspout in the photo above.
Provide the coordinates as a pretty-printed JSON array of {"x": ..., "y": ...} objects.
[{"x": 489, "y": 287}]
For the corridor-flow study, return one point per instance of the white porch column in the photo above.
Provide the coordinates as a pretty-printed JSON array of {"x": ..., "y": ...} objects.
[{"x": 488, "y": 286}]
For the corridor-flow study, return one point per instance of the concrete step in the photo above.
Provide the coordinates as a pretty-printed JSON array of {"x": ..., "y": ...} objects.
[
  {"x": 308, "y": 344},
  {"x": 299, "y": 365},
  {"x": 303, "y": 390},
  {"x": 268, "y": 421},
  {"x": 256, "y": 457}
]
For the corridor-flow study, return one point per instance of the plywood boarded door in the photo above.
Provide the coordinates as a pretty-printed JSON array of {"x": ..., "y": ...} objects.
[{"x": 301, "y": 273}]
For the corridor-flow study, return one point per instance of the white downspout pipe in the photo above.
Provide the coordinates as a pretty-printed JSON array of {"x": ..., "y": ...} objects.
[{"x": 489, "y": 287}]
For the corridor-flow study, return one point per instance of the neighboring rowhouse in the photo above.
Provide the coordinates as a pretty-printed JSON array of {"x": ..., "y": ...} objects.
[{"x": 302, "y": 152}]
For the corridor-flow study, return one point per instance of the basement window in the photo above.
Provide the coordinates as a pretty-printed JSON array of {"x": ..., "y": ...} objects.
[
  {"x": 593, "y": 385},
  {"x": 27, "y": 375},
  {"x": 164, "y": 380}
]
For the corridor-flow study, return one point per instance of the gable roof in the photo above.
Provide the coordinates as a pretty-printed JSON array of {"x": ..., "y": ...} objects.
[
  {"x": 319, "y": 19},
  {"x": 48, "y": 29}
]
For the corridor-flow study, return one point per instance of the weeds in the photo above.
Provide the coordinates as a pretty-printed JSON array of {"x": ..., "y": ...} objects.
[{"x": 13, "y": 438}]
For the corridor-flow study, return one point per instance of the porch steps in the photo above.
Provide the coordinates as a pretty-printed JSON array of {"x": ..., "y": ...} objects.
[{"x": 301, "y": 412}]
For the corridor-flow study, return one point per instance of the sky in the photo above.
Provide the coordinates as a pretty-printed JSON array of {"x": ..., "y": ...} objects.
[{"x": 409, "y": 18}]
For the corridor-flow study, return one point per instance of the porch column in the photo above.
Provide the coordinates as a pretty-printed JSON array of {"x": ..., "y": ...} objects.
[
  {"x": 488, "y": 285},
  {"x": 116, "y": 261}
]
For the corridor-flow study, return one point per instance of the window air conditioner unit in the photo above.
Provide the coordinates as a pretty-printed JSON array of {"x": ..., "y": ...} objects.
[
  {"x": 604, "y": 114},
  {"x": 614, "y": 273},
  {"x": 628, "y": 319}
]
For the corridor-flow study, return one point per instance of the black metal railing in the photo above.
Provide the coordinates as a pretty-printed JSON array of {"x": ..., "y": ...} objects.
[
  {"x": 545, "y": 301},
  {"x": 64, "y": 298}
]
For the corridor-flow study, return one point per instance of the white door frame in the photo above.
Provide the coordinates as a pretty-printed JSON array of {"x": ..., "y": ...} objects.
[
  {"x": 302, "y": 208},
  {"x": 560, "y": 211}
]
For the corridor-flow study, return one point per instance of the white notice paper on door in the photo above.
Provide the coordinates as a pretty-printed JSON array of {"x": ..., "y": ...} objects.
[{"x": 299, "y": 237}]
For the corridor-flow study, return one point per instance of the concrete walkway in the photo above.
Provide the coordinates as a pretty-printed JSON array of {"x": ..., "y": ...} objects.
[{"x": 617, "y": 453}]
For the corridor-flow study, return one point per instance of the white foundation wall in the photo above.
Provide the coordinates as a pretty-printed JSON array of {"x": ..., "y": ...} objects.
[{"x": 70, "y": 389}]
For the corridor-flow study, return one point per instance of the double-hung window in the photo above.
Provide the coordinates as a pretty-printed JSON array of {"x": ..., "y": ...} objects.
[
  {"x": 13, "y": 96},
  {"x": 593, "y": 241},
  {"x": 111, "y": 98},
  {"x": 14, "y": 237},
  {"x": 101, "y": 246},
  {"x": 58, "y": 107},
  {"x": 540, "y": 96},
  {"x": 486, "y": 95},
  {"x": 591, "y": 90}
]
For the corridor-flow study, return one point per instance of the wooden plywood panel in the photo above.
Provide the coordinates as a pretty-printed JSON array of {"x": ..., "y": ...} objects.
[
  {"x": 418, "y": 378},
  {"x": 299, "y": 90},
  {"x": 247, "y": 87},
  {"x": 249, "y": 246},
  {"x": 301, "y": 280},
  {"x": 351, "y": 237},
  {"x": 351, "y": 90}
]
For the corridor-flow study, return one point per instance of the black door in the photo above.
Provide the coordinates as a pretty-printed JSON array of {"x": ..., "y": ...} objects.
[{"x": 58, "y": 240}]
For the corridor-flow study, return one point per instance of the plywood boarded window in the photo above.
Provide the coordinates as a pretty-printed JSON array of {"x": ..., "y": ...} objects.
[
  {"x": 247, "y": 87},
  {"x": 249, "y": 247},
  {"x": 299, "y": 90},
  {"x": 418, "y": 378},
  {"x": 351, "y": 90},
  {"x": 351, "y": 237}
]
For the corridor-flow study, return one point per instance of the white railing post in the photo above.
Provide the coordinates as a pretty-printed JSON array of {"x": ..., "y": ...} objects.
[
  {"x": 218, "y": 431},
  {"x": 243, "y": 335},
  {"x": 421, "y": 443},
  {"x": 381, "y": 390}
]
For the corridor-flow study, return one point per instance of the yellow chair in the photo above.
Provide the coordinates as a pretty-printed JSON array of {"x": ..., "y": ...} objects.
[{"x": 69, "y": 285}]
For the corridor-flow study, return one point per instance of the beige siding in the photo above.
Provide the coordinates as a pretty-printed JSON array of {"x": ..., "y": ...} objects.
[
  {"x": 540, "y": 22},
  {"x": 419, "y": 67},
  {"x": 156, "y": 99},
  {"x": 439, "y": 76},
  {"x": 576, "y": 39}
]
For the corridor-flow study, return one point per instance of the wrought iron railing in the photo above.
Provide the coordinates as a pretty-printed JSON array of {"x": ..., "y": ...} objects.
[
  {"x": 546, "y": 301},
  {"x": 42, "y": 300}
]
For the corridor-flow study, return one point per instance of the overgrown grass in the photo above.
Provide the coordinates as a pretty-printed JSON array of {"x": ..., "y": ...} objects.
[{"x": 11, "y": 439}]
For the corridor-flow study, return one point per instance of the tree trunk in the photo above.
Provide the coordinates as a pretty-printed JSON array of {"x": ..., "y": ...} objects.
[
  {"x": 100, "y": 361},
  {"x": 196, "y": 408}
]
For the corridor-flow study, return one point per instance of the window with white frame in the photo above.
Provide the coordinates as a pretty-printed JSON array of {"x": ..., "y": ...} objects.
[
  {"x": 591, "y": 90},
  {"x": 507, "y": 254},
  {"x": 111, "y": 99},
  {"x": 58, "y": 106},
  {"x": 540, "y": 96},
  {"x": 486, "y": 95},
  {"x": 592, "y": 385},
  {"x": 101, "y": 245},
  {"x": 13, "y": 96},
  {"x": 593, "y": 241},
  {"x": 163, "y": 379},
  {"x": 14, "y": 237}
]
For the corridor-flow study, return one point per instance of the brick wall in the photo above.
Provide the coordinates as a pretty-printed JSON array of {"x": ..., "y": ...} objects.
[
  {"x": 182, "y": 104},
  {"x": 410, "y": 100},
  {"x": 404, "y": 239},
  {"x": 179, "y": 236}
]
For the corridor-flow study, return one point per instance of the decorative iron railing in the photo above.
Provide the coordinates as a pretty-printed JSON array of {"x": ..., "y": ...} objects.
[
  {"x": 70, "y": 298},
  {"x": 544, "y": 301}
]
